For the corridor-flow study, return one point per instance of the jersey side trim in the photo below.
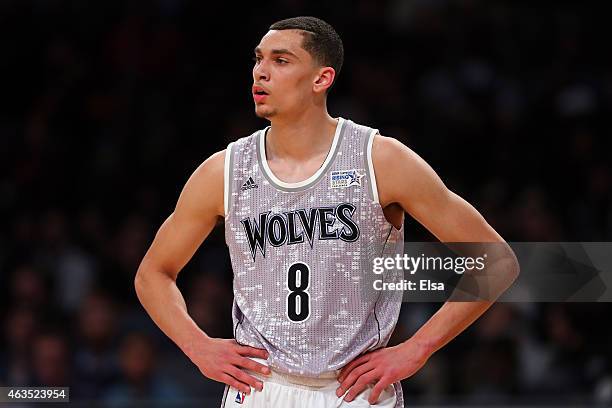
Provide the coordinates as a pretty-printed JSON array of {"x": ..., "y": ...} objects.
[
  {"x": 227, "y": 167},
  {"x": 372, "y": 176}
]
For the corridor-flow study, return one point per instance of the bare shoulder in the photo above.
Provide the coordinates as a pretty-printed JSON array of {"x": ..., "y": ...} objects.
[
  {"x": 212, "y": 166},
  {"x": 203, "y": 191},
  {"x": 401, "y": 174},
  {"x": 388, "y": 152}
]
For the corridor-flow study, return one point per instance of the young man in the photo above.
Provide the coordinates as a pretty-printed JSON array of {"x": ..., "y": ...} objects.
[{"x": 308, "y": 203}]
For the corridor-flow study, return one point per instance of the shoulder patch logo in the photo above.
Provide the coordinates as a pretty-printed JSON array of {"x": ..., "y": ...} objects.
[
  {"x": 345, "y": 178},
  {"x": 248, "y": 184}
]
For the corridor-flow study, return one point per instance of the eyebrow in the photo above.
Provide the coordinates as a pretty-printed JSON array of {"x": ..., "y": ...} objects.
[{"x": 279, "y": 51}]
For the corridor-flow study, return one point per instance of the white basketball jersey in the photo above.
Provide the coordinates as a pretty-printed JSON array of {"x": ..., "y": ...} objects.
[{"x": 302, "y": 255}]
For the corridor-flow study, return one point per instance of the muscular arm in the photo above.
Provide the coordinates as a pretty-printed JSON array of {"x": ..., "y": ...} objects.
[
  {"x": 406, "y": 179},
  {"x": 199, "y": 206},
  {"x": 196, "y": 213},
  {"x": 422, "y": 194}
]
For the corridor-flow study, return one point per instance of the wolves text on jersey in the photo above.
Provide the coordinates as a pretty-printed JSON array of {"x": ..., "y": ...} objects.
[{"x": 282, "y": 228}]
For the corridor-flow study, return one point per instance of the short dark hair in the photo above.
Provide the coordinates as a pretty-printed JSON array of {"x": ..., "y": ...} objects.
[{"x": 321, "y": 41}]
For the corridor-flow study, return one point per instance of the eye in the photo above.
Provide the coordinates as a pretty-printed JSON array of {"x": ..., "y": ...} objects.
[
  {"x": 281, "y": 61},
  {"x": 256, "y": 58}
]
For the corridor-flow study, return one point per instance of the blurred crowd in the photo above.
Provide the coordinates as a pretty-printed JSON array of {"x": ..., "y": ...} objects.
[{"x": 108, "y": 106}]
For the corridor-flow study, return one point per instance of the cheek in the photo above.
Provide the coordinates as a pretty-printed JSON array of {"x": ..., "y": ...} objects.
[
  {"x": 294, "y": 88},
  {"x": 301, "y": 89}
]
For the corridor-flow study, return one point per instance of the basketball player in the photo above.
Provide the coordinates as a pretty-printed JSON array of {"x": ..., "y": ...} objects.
[{"x": 308, "y": 202}]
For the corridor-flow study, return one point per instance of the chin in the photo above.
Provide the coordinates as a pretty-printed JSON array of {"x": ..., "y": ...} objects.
[{"x": 264, "y": 112}]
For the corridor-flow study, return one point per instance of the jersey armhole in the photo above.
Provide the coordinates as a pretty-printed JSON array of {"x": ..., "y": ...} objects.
[
  {"x": 227, "y": 186},
  {"x": 370, "y": 166}
]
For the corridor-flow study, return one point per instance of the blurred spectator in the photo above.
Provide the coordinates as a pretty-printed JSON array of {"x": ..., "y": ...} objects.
[
  {"x": 73, "y": 267},
  {"x": 51, "y": 361},
  {"x": 29, "y": 287},
  {"x": 96, "y": 357},
  {"x": 19, "y": 329},
  {"x": 140, "y": 383}
]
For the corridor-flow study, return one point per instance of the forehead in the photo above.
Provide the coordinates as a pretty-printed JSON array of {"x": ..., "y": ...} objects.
[{"x": 290, "y": 40}]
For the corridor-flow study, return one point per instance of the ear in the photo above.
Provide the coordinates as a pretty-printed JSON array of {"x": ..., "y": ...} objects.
[{"x": 324, "y": 79}]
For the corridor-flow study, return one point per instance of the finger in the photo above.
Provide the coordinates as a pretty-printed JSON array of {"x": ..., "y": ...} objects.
[
  {"x": 252, "y": 352},
  {"x": 352, "y": 377},
  {"x": 252, "y": 365},
  {"x": 232, "y": 382},
  {"x": 355, "y": 374},
  {"x": 245, "y": 378},
  {"x": 357, "y": 362},
  {"x": 361, "y": 384},
  {"x": 380, "y": 386}
]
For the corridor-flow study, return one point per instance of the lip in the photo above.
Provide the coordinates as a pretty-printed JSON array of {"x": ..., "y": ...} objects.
[
  {"x": 257, "y": 88},
  {"x": 259, "y": 98}
]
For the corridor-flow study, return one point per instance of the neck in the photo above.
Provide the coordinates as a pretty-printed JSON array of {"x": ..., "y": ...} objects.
[{"x": 300, "y": 137}]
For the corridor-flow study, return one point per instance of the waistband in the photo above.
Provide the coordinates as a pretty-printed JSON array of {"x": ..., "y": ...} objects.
[{"x": 326, "y": 379}]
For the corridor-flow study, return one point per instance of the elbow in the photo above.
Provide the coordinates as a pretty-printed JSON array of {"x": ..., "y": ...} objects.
[
  {"x": 511, "y": 267},
  {"x": 149, "y": 276},
  {"x": 141, "y": 278},
  {"x": 139, "y": 282},
  {"x": 515, "y": 267},
  {"x": 517, "y": 270},
  {"x": 504, "y": 270}
]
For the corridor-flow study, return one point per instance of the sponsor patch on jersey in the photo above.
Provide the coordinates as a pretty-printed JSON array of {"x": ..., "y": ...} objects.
[
  {"x": 240, "y": 397},
  {"x": 345, "y": 178}
]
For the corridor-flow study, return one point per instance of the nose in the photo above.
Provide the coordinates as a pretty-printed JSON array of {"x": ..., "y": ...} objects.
[{"x": 260, "y": 72}]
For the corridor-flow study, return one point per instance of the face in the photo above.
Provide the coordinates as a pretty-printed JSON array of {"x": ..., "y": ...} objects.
[{"x": 286, "y": 79}]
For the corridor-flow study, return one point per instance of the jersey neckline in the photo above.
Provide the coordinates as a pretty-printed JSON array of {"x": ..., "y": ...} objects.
[{"x": 304, "y": 184}]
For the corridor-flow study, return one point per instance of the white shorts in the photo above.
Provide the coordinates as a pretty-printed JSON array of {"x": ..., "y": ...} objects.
[{"x": 288, "y": 391}]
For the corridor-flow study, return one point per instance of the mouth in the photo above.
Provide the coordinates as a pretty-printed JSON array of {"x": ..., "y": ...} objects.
[
  {"x": 258, "y": 90},
  {"x": 259, "y": 94}
]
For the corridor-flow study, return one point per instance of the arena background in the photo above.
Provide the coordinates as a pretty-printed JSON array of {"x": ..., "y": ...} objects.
[{"x": 107, "y": 107}]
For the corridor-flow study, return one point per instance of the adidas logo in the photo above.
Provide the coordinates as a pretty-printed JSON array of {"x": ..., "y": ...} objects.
[{"x": 249, "y": 184}]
